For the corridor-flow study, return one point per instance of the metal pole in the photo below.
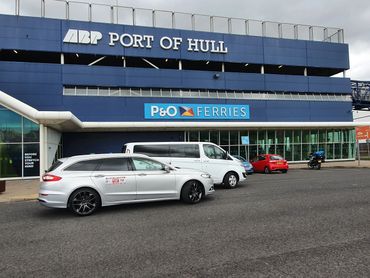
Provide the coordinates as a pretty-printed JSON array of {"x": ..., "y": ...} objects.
[{"x": 358, "y": 153}]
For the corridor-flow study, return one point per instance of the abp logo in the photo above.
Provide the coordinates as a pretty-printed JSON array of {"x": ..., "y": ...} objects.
[{"x": 82, "y": 36}]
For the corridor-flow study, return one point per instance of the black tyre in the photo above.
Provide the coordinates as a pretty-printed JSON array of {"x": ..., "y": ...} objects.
[
  {"x": 318, "y": 166},
  {"x": 231, "y": 180},
  {"x": 192, "y": 192},
  {"x": 284, "y": 171},
  {"x": 267, "y": 170},
  {"x": 84, "y": 201}
]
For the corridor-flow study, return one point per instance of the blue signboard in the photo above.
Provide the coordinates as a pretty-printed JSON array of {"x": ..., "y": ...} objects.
[
  {"x": 167, "y": 111},
  {"x": 245, "y": 140}
]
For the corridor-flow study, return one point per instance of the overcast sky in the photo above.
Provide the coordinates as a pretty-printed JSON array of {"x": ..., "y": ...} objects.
[{"x": 352, "y": 16}]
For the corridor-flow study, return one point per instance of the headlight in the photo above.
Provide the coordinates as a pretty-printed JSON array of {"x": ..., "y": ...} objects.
[{"x": 207, "y": 176}]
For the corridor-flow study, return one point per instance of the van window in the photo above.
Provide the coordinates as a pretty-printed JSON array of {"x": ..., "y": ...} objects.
[
  {"x": 114, "y": 164},
  {"x": 153, "y": 150},
  {"x": 213, "y": 152},
  {"x": 185, "y": 150},
  {"x": 87, "y": 165}
]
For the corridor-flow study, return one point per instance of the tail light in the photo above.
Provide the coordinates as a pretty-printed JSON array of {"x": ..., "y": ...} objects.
[{"x": 48, "y": 177}]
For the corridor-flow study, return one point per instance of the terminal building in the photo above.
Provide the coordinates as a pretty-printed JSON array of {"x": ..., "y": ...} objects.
[{"x": 83, "y": 78}]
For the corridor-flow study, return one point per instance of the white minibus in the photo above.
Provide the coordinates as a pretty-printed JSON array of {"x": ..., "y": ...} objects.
[{"x": 203, "y": 156}]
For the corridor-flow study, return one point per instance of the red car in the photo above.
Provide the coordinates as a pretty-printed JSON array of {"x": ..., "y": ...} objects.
[{"x": 270, "y": 162}]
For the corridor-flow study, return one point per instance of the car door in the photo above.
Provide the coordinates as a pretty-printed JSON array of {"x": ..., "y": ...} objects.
[
  {"x": 214, "y": 162},
  {"x": 259, "y": 164},
  {"x": 115, "y": 178},
  {"x": 153, "y": 181}
]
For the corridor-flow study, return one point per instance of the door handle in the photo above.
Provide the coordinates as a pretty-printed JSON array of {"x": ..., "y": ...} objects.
[
  {"x": 99, "y": 176},
  {"x": 141, "y": 175}
]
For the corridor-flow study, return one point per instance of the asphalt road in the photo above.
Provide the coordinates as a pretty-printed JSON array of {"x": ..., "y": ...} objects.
[{"x": 305, "y": 223}]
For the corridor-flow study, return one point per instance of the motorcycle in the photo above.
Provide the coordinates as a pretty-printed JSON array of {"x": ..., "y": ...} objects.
[{"x": 315, "y": 160}]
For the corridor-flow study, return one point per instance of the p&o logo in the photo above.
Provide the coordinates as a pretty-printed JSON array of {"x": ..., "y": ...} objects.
[{"x": 82, "y": 36}]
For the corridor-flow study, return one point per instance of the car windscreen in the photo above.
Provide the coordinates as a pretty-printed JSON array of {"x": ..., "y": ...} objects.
[{"x": 276, "y": 157}]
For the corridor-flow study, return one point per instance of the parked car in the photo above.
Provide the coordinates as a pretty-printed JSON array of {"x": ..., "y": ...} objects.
[
  {"x": 247, "y": 165},
  {"x": 203, "y": 156},
  {"x": 84, "y": 183},
  {"x": 270, "y": 162}
]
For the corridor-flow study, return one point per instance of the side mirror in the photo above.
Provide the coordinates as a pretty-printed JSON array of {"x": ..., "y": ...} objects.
[{"x": 167, "y": 168}]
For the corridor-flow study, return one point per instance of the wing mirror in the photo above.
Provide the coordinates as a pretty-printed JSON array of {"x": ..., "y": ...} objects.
[{"x": 167, "y": 168}]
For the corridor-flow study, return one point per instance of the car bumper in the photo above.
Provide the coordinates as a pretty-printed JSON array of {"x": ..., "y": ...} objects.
[
  {"x": 209, "y": 187},
  {"x": 52, "y": 199}
]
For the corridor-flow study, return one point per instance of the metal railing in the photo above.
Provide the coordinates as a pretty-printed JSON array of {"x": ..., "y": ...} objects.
[
  {"x": 361, "y": 94},
  {"x": 82, "y": 11},
  {"x": 71, "y": 90}
]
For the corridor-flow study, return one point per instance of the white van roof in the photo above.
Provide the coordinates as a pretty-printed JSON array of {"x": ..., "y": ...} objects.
[{"x": 165, "y": 143}]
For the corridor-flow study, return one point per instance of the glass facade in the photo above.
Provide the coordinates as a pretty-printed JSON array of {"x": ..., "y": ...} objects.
[
  {"x": 19, "y": 146},
  {"x": 292, "y": 144}
]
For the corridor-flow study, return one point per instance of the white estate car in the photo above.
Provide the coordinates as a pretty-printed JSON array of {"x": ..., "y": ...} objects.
[{"x": 84, "y": 183}]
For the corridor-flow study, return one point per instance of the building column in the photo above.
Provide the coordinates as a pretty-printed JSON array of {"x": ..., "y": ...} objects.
[{"x": 43, "y": 149}]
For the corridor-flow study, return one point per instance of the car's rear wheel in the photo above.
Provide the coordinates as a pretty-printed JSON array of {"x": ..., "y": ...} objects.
[
  {"x": 284, "y": 171},
  {"x": 84, "y": 201},
  {"x": 231, "y": 180},
  {"x": 192, "y": 192},
  {"x": 267, "y": 170}
]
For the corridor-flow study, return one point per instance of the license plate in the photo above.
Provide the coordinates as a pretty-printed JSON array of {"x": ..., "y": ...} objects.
[
  {"x": 279, "y": 163},
  {"x": 319, "y": 161}
]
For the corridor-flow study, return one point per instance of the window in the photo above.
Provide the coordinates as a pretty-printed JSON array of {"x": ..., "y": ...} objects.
[
  {"x": 276, "y": 157},
  {"x": 114, "y": 164},
  {"x": 153, "y": 150},
  {"x": 214, "y": 152},
  {"x": 143, "y": 164},
  {"x": 261, "y": 158},
  {"x": 87, "y": 165},
  {"x": 55, "y": 165},
  {"x": 191, "y": 151}
]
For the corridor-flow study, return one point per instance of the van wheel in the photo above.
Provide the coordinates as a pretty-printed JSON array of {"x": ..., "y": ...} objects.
[
  {"x": 84, "y": 201},
  {"x": 192, "y": 192},
  {"x": 231, "y": 180}
]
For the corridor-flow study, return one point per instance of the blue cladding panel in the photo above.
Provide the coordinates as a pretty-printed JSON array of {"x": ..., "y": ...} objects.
[
  {"x": 331, "y": 55},
  {"x": 284, "y": 52},
  {"x": 325, "y": 85},
  {"x": 111, "y": 142},
  {"x": 47, "y": 34},
  {"x": 289, "y": 83},
  {"x": 30, "y": 33},
  {"x": 132, "y": 109}
]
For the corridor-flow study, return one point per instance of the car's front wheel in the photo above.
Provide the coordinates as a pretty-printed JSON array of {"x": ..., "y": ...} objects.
[
  {"x": 84, "y": 201},
  {"x": 231, "y": 180},
  {"x": 192, "y": 192}
]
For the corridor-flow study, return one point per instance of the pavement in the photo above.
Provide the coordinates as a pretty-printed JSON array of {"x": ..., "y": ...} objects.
[{"x": 23, "y": 190}]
